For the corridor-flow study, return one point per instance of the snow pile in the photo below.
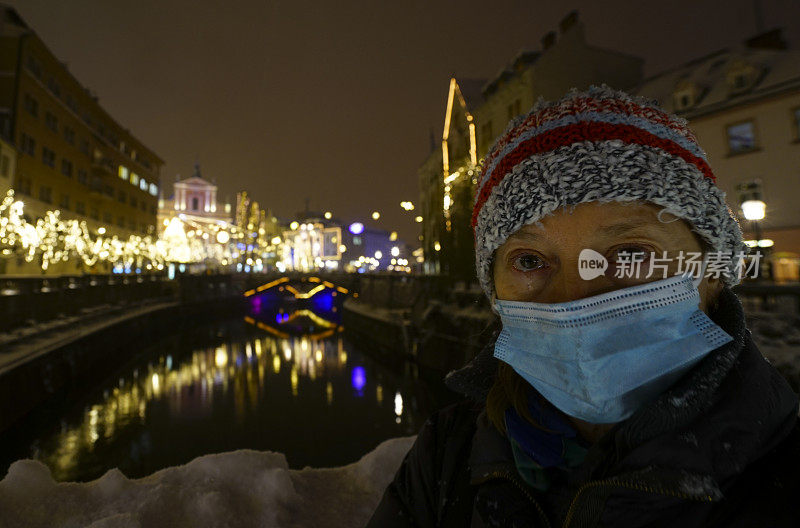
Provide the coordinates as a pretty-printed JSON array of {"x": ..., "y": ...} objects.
[{"x": 237, "y": 489}]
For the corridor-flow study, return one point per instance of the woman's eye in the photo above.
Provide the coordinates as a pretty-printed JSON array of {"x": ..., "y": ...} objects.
[{"x": 527, "y": 262}]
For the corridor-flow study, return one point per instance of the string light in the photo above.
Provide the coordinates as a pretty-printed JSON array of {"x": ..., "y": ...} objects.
[{"x": 52, "y": 239}]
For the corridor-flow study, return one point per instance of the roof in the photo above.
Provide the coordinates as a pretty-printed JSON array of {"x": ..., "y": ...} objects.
[
  {"x": 522, "y": 59},
  {"x": 777, "y": 70},
  {"x": 195, "y": 181}
]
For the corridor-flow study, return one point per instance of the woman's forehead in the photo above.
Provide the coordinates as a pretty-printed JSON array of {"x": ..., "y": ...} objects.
[{"x": 610, "y": 219}]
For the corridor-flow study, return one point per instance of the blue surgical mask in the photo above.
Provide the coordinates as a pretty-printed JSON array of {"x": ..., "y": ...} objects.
[{"x": 601, "y": 358}]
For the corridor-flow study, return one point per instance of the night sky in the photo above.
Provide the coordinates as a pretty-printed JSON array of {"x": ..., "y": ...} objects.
[{"x": 334, "y": 100}]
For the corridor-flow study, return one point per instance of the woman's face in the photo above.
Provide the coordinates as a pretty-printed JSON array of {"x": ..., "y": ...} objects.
[{"x": 540, "y": 264}]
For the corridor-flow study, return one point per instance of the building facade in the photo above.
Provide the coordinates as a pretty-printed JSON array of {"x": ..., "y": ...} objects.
[
  {"x": 743, "y": 104},
  {"x": 194, "y": 197},
  {"x": 72, "y": 156}
]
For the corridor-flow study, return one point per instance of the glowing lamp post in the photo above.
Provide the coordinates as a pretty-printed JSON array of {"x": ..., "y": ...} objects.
[{"x": 755, "y": 210}]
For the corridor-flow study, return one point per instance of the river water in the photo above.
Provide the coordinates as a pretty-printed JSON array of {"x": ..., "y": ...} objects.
[{"x": 286, "y": 381}]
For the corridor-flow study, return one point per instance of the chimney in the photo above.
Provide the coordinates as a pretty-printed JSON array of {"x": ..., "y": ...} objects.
[
  {"x": 772, "y": 39},
  {"x": 548, "y": 40},
  {"x": 567, "y": 22}
]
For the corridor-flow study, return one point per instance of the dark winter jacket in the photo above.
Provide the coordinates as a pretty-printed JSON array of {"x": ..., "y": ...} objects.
[{"x": 719, "y": 448}]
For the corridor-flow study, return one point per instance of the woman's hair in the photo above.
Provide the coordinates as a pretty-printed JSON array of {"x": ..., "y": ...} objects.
[{"x": 509, "y": 389}]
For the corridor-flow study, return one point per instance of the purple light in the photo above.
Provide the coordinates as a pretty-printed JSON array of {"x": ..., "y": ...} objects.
[
  {"x": 359, "y": 378},
  {"x": 356, "y": 228}
]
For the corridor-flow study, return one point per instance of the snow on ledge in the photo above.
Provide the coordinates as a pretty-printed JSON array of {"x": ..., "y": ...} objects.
[{"x": 243, "y": 488}]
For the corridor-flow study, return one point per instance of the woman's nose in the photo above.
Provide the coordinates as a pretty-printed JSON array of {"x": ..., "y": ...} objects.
[{"x": 567, "y": 285}]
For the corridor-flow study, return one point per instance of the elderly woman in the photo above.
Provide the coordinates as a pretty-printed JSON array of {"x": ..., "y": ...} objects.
[{"x": 624, "y": 389}]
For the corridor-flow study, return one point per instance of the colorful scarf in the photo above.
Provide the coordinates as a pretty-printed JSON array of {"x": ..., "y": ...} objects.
[{"x": 537, "y": 450}]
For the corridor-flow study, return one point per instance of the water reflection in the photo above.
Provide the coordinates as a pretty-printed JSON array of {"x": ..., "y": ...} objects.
[{"x": 264, "y": 387}]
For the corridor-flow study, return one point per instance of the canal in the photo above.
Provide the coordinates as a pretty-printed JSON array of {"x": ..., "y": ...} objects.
[{"x": 284, "y": 379}]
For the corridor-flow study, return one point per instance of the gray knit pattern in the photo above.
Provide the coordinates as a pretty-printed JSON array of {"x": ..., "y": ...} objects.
[{"x": 604, "y": 171}]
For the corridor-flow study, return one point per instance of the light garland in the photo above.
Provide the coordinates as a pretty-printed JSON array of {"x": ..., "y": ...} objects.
[{"x": 52, "y": 239}]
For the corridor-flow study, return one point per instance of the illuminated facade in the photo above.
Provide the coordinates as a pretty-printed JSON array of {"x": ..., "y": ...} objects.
[
  {"x": 196, "y": 197},
  {"x": 311, "y": 246},
  {"x": 72, "y": 156}
]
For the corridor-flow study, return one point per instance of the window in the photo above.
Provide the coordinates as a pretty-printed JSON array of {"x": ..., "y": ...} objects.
[
  {"x": 51, "y": 121},
  {"x": 195, "y": 204},
  {"x": 22, "y": 184},
  {"x": 132, "y": 225},
  {"x": 123, "y": 172},
  {"x": 122, "y": 196},
  {"x": 64, "y": 202},
  {"x": 46, "y": 194},
  {"x": 143, "y": 184},
  {"x": 134, "y": 201},
  {"x": 5, "y": 163},
  {"x": 94, "y": 214},
  {"x": 741, "y": 137},
  {"x": 107, "y": 218},
  {"x": 53, "y": 86},
  {"x": 153, "y": 189},
  {"x": 69, "y": 135},
  {"x": 48, "y": 157},
  {"x": 71, "y": 104},
  {"x": 80, "y": 208},
  {"x": 84, "y": 146},
  {"x": 82, "y": 177},
  {"x": 66, "y": 168},
  {"x": 27, "y": 145},
  {"x": 31, "y": 105},
  {"x": 33, "y": 66},
  {"x": 143, "y": 206},
  {"x": 121, "y": 221},
  {"x": 134, "y": 178}
]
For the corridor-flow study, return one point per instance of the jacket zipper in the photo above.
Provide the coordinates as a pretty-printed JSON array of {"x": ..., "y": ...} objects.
[
  {"x": 631, "y": 485},
  {"x": 521, "y": 487}
]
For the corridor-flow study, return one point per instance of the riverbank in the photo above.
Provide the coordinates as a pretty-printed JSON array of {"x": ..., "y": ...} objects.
[{"x": 67, "y": 353}]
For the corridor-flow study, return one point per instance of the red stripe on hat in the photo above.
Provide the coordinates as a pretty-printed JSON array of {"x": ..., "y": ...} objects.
[
  {"x": 577, "y": 132},
  {"x": 590, "y": 104}
]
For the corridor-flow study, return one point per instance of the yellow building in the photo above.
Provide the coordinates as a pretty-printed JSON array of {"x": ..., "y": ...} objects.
[
  {"x": 743, "y": 104},
  {"x": 72, "y": 156}
]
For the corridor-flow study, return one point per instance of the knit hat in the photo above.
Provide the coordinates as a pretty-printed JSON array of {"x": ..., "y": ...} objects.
[{"x": 598, "y": 145}]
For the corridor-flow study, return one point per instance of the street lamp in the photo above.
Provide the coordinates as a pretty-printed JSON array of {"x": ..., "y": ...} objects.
[{"x": 755, "y": 210}]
